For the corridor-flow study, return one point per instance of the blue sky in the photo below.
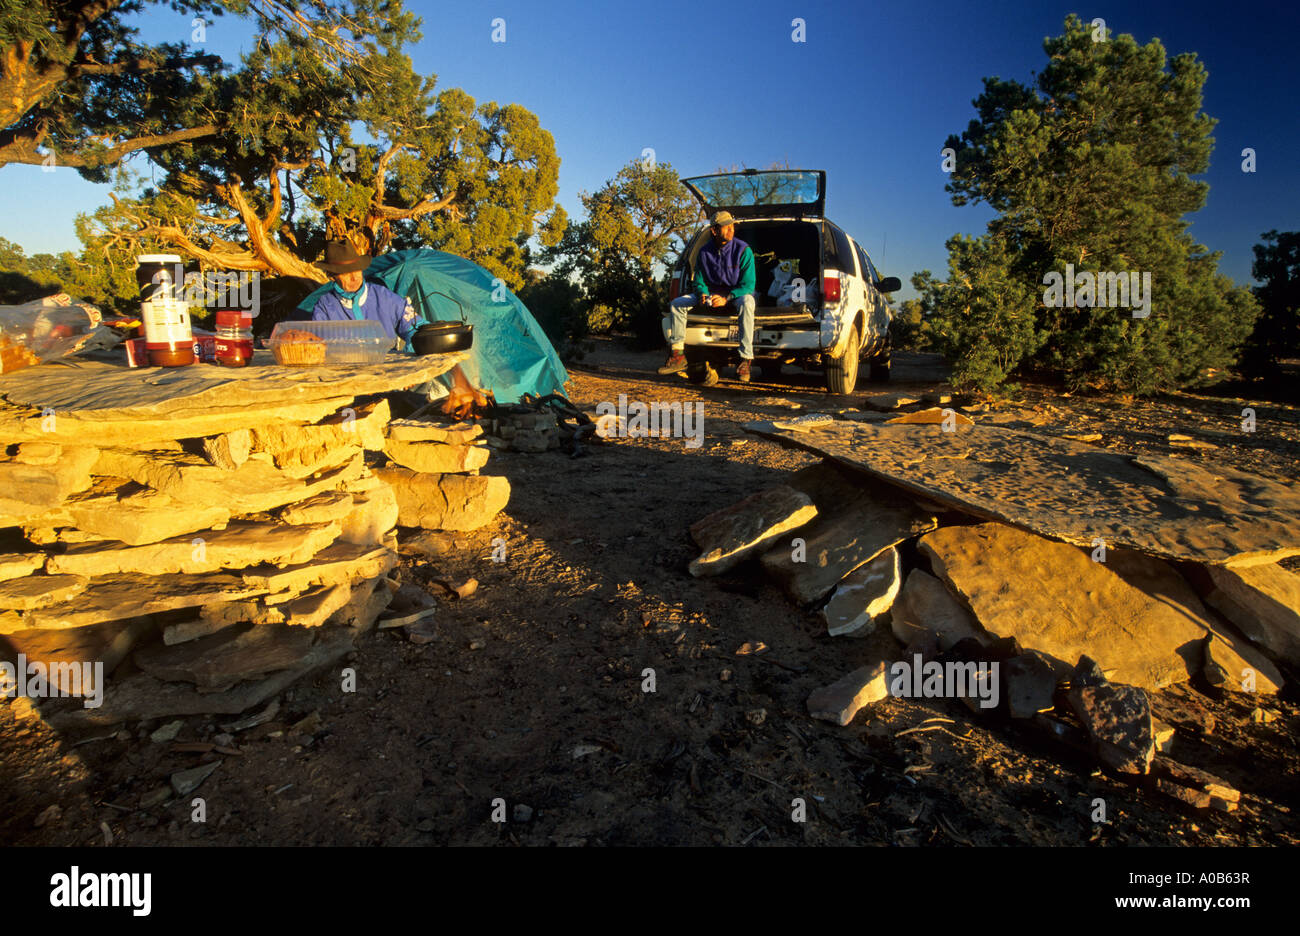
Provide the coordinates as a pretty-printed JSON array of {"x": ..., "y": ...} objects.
[{"x": 869, "y": 97}]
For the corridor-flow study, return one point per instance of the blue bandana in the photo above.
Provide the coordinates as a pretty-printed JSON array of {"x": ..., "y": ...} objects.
[{"x": 352, "y": 301}]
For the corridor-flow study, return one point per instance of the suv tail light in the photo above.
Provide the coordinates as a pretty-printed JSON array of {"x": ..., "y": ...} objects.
[
  {"x": 831, "y": 288},
  {"x": 674, "y": 288}
]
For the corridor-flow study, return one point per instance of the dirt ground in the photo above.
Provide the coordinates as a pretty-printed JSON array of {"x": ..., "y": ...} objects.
[{"x": 532, "y": 692}]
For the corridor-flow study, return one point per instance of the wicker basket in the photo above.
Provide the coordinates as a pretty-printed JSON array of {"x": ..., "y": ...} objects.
[{"x": 298, "y": 348}]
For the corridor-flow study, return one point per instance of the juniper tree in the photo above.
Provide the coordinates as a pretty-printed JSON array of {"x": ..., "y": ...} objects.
[
  {"x": 1277, "y": 332},
  {"x": 323, "y": 129},
  {"x": 1094, "y": 168},
  {"x": 634, "y": 227},
  {"x": 78, "y": 88}
]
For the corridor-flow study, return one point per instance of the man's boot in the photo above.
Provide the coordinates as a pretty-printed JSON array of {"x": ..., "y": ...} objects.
[
  {"x": 675, "y": 364},
  {"x": 742, "y": 372}
]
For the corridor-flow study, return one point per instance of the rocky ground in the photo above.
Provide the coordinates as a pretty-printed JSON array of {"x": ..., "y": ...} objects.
[{"x": 528, "y": 701}]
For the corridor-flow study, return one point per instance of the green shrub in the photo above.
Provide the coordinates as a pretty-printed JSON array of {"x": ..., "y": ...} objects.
[
  {"x": 982, "y": 319},
  {"x": 560, "y": 308},
  {"x": 1091, "y": 169}
]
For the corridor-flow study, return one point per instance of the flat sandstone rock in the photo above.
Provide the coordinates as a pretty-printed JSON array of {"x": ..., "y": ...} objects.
[
  {"x": 884, "y": 402},
  {"x": 1264, "y": 601},
  {"x": 863, "y": 595},
  {"x": 926, "y": 602},
  {"x": 27, "y": 489},
  {"x": 228, "y": 656},
  {"x": 733, "y": 534},
  {"x": 934, "y": 416},
  {"x": 436, "y": 457},
  {"x": 115, "y": 597},
  {"x": 844, "y": 698},
  {"x": 18, "y": 565},
  {"x": 1165, "y": 506},
  {"x": 302, "y": 449},
  {"x": 317, "y": 606},
  {"x": 256, "y": 486},
  {"x": 1232, "y": 662},
  {"x": 228, "y": 450},
  {"x": 107, "y": 643},
  {"x": 372, "y": 518},
  {"x": 411, "y": 430},
  {"x": 1054, "y": 598},
  {"x": 1029, "y": 684},
  {"x": 39, "y": 591},
  {"x": 853, "y": 526},
  {"x": 323, "y": 508},
  {"x": 242, "y": 544},
  {"x": 140, "y": 696},
  {"x": 340, "y": 563},
  {"x": 447, "y": 501},
  {"x": 1229, "y": 659},
  {"x": 136, "y": 518},
  {"x": 96, "y": 402}
]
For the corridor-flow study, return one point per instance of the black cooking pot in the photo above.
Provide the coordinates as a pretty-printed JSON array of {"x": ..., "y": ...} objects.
[{"x": 442, "y": 338}]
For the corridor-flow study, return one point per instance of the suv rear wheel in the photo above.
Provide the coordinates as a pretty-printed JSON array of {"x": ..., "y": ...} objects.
[{"x": 842, "y": 372}]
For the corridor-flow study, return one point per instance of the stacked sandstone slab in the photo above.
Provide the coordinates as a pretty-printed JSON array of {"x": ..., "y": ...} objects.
[
  {"x": 434, "y": 472},
  {"x": 1081, "y": 551},
  {"x": 230, "y": 532}
]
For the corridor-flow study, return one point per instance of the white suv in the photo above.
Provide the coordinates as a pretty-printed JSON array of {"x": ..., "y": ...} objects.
[{"x": 820, "y": 301}]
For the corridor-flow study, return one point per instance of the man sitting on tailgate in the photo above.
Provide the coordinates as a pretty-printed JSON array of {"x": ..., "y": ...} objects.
[{"x": 724, "y": 276}]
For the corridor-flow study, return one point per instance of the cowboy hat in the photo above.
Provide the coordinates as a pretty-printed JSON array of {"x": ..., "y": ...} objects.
[{"x": 342, "y": 257}]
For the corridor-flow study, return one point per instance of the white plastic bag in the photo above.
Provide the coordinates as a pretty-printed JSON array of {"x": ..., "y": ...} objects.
[{"x": 43, "y": 330}]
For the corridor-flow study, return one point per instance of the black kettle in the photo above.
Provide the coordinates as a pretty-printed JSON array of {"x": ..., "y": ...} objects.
[{"x": 442, "y": 338}]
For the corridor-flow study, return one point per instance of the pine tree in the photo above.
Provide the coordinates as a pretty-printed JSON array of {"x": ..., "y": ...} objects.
[{"x": 1092, "y": 168}]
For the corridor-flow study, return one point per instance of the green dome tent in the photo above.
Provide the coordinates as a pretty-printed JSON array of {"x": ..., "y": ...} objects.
[{"x": 511, "y": 354}]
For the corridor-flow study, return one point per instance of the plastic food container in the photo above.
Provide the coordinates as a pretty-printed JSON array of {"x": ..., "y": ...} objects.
[
  {"x": 168, "y": 334},
  {"x": 301, "y": 344}
]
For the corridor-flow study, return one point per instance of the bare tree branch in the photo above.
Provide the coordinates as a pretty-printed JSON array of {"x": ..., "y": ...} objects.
[
  {"x": 427, "y": 205},
  {"x": 22, "y": 148},
  {"x": 261, "y": 243}
]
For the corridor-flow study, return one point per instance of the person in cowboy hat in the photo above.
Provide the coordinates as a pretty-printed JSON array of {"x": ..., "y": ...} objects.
[
  {"x": 352, "y": 297},
  {"x": 724, "y": 276}
]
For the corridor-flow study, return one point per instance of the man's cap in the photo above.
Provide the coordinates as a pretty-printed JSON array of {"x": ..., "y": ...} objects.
[
  {"x": 342, "y": 257},
  {"x": 722, "y": 219}
]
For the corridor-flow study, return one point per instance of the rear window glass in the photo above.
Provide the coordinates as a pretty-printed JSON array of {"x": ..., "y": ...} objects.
[
  {"x": 839, "y": 254},
  {"x": 868, "y": 267},
  {"x": 761, "y": 188}
]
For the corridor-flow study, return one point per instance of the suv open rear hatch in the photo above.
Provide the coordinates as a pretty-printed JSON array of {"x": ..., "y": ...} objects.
[{"x": 795, "y": 193}]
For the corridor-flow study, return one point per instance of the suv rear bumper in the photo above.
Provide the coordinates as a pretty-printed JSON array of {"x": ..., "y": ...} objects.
[
  {"x": 765, "y": 339},
  {"x": 773, "y": 331}
]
